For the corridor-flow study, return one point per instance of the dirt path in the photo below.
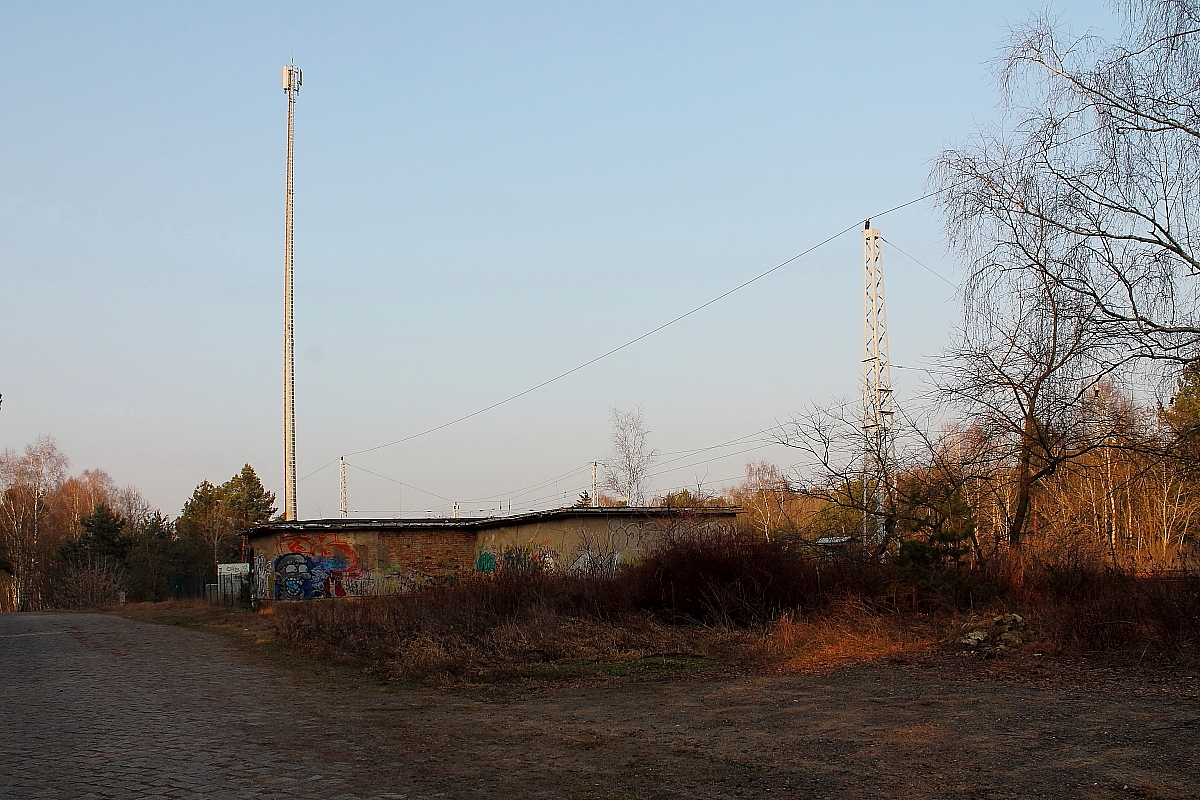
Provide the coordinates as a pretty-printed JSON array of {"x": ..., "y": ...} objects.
[{"x": 100, "y": 706}]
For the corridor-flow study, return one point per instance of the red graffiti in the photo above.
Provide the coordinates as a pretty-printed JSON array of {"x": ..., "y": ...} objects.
[{"x": 327, "y": 547}]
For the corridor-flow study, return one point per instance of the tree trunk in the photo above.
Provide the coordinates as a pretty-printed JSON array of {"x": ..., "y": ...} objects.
[{"x": 1024, "y": 485}]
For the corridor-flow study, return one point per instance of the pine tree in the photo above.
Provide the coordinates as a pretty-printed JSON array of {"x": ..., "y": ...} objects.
[
  {"x": 215, "y": 515},
  {"x": 1184, "y": 414},
  {"x": 203, "y": 523},
  {"x": 246, "y": 501},
  {"x": 103, "y": 535}
]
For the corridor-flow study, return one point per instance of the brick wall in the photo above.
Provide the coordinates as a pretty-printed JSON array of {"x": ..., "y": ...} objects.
[{"x": 432, "y": 553}]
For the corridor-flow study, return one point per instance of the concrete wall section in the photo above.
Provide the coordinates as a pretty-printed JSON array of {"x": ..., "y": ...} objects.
[
  {"x": 575, "y": 543},
  {"x": 315, "y": 559}
]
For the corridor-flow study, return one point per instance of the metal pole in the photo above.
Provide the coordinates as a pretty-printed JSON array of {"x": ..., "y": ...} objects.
[
  {"x": 595, "y": 485},
  {"x": 292, "y": 79},
  {"x": 345, "y": 496}
]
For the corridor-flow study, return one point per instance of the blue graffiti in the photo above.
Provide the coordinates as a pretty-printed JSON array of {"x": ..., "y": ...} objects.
[{"x": 301, "y": 577}]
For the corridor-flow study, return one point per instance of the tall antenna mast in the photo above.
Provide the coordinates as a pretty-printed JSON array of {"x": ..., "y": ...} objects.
[
  {"x": 292, "y": 79},
  {"x": 345, "y": 506},
  {"x": 877, "y": 395}
]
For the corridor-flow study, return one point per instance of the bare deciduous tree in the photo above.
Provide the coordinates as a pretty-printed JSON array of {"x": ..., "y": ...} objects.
[
  {"x": 1097, "y": 169},
  {"x": 80, "y": 494},
  {"x": 28, "y": 480},
  {"x": 1022, "y": 370},
  {"x": 765, "y": 494},
  {"x": 926, "y": 477},
  {"x": 627, "y": 471}
]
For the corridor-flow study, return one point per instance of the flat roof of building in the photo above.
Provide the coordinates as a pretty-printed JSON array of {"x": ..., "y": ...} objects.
[{"x": 483, "y": 523}]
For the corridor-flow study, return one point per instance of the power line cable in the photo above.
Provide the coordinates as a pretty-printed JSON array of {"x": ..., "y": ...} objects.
[
  {"x": 917, "y": 261},
  {"x": 614, "y": 350},
  {"x": 689, "y": 453},
  {"x": 518, "y": 493},
  {"x": 714, "y": 458},
  {"x": 723, "y": 444},
  {"x": 527, "y": 489},
  {"x": 402, "y": 483},
  {"x": 602, "y": 356},
  {"x": 703, "y": 306}
]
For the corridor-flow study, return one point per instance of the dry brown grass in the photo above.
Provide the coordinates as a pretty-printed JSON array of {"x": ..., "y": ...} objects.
[
  {"x": 540, "y": 643},
  {"x": 848, "y": 633},
  {"x": 715, "y": 603},
  {"x": 494, "y": 629}
]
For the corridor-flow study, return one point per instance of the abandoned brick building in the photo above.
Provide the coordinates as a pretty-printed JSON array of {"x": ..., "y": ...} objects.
[{"x": 311, "y": 559}]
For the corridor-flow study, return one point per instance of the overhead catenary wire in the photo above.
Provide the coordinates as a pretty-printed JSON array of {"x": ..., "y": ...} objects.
[
  {"x": 731, "y": 442},
  {"x": 402, "y": 483},
  {"x": 504, "y": 496},
  {"x": 523, "y": 491},
  {"x": 913, "y": 403},
  {"x": 600, "y": 357},
  {"x": 926, "y": 196},
  {"x": 531, "y": 504},
  {"x": 513, "y": 495},
  {"x": 920, "y": 264},
  {"x": 518, "y": 494},
  {"x": 714, "y": 458}
]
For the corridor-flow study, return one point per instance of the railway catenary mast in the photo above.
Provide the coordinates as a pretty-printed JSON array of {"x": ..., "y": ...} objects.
[
  {"x": 292, "y": 79},
  {"x": 878, "y": 449},
  {"x": 344, "y": 508}
]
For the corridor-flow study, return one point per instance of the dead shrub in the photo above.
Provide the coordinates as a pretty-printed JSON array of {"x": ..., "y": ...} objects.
[
  {"x": 735, "y": 598},
  {"x": 1091, "y": 608},
  {"x": 94, "y": 582},
  {"x": 738, "y": 579}
]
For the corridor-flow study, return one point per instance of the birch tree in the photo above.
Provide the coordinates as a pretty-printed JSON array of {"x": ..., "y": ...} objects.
[
  {"x": 628, "y": 470},
  {"x": 1096, "y": 165},
  {"x": 28, "y": 480}
]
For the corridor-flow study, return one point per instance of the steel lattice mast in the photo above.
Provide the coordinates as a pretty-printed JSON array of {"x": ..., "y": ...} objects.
[
  {"x": 345, "y": 496},
  {"x": 877, "y": 395},
  {"x": 292, "y": 79}
]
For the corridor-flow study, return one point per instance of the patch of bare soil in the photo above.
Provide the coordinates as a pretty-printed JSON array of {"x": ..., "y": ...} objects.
[{"x": 928, "y": 718}]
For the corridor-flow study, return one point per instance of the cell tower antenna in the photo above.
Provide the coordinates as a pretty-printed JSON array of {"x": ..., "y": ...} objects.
[
  {"x": 292, "y": 79},
  {"x": 878, "y": 447},
  {"x": 345, "y": 496}
]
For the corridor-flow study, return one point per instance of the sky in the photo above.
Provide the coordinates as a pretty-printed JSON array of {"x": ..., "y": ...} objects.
[{"x": 487, "y": 195}]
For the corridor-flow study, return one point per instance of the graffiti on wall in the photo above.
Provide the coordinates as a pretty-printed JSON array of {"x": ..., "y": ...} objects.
[
  {"x": 624, "y": 537},
  {"x": 262, "y": 577},
  {"x": 598, "y": 551},
  {"x": 602, "y": 552},
  {"x": 511, "y": 558},
  {"x": 312, "y": 567},
  {"x": 592, "y": 563}
]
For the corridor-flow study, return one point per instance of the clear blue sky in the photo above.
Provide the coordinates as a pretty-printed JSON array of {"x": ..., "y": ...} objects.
[{"x": 487, "y": 194}]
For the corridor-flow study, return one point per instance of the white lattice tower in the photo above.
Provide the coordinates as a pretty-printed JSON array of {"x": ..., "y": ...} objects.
[
  {"x": 344, "y": 505},
  {"x": 878, "y": 448},
  {"x": 292, "y": 78}
]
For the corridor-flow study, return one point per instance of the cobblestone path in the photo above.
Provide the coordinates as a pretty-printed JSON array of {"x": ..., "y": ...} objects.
[{"x": 102, "y": 707}]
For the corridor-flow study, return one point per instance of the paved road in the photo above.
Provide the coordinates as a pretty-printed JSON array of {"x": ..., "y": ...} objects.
[{"x": 102, "y": 707}]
